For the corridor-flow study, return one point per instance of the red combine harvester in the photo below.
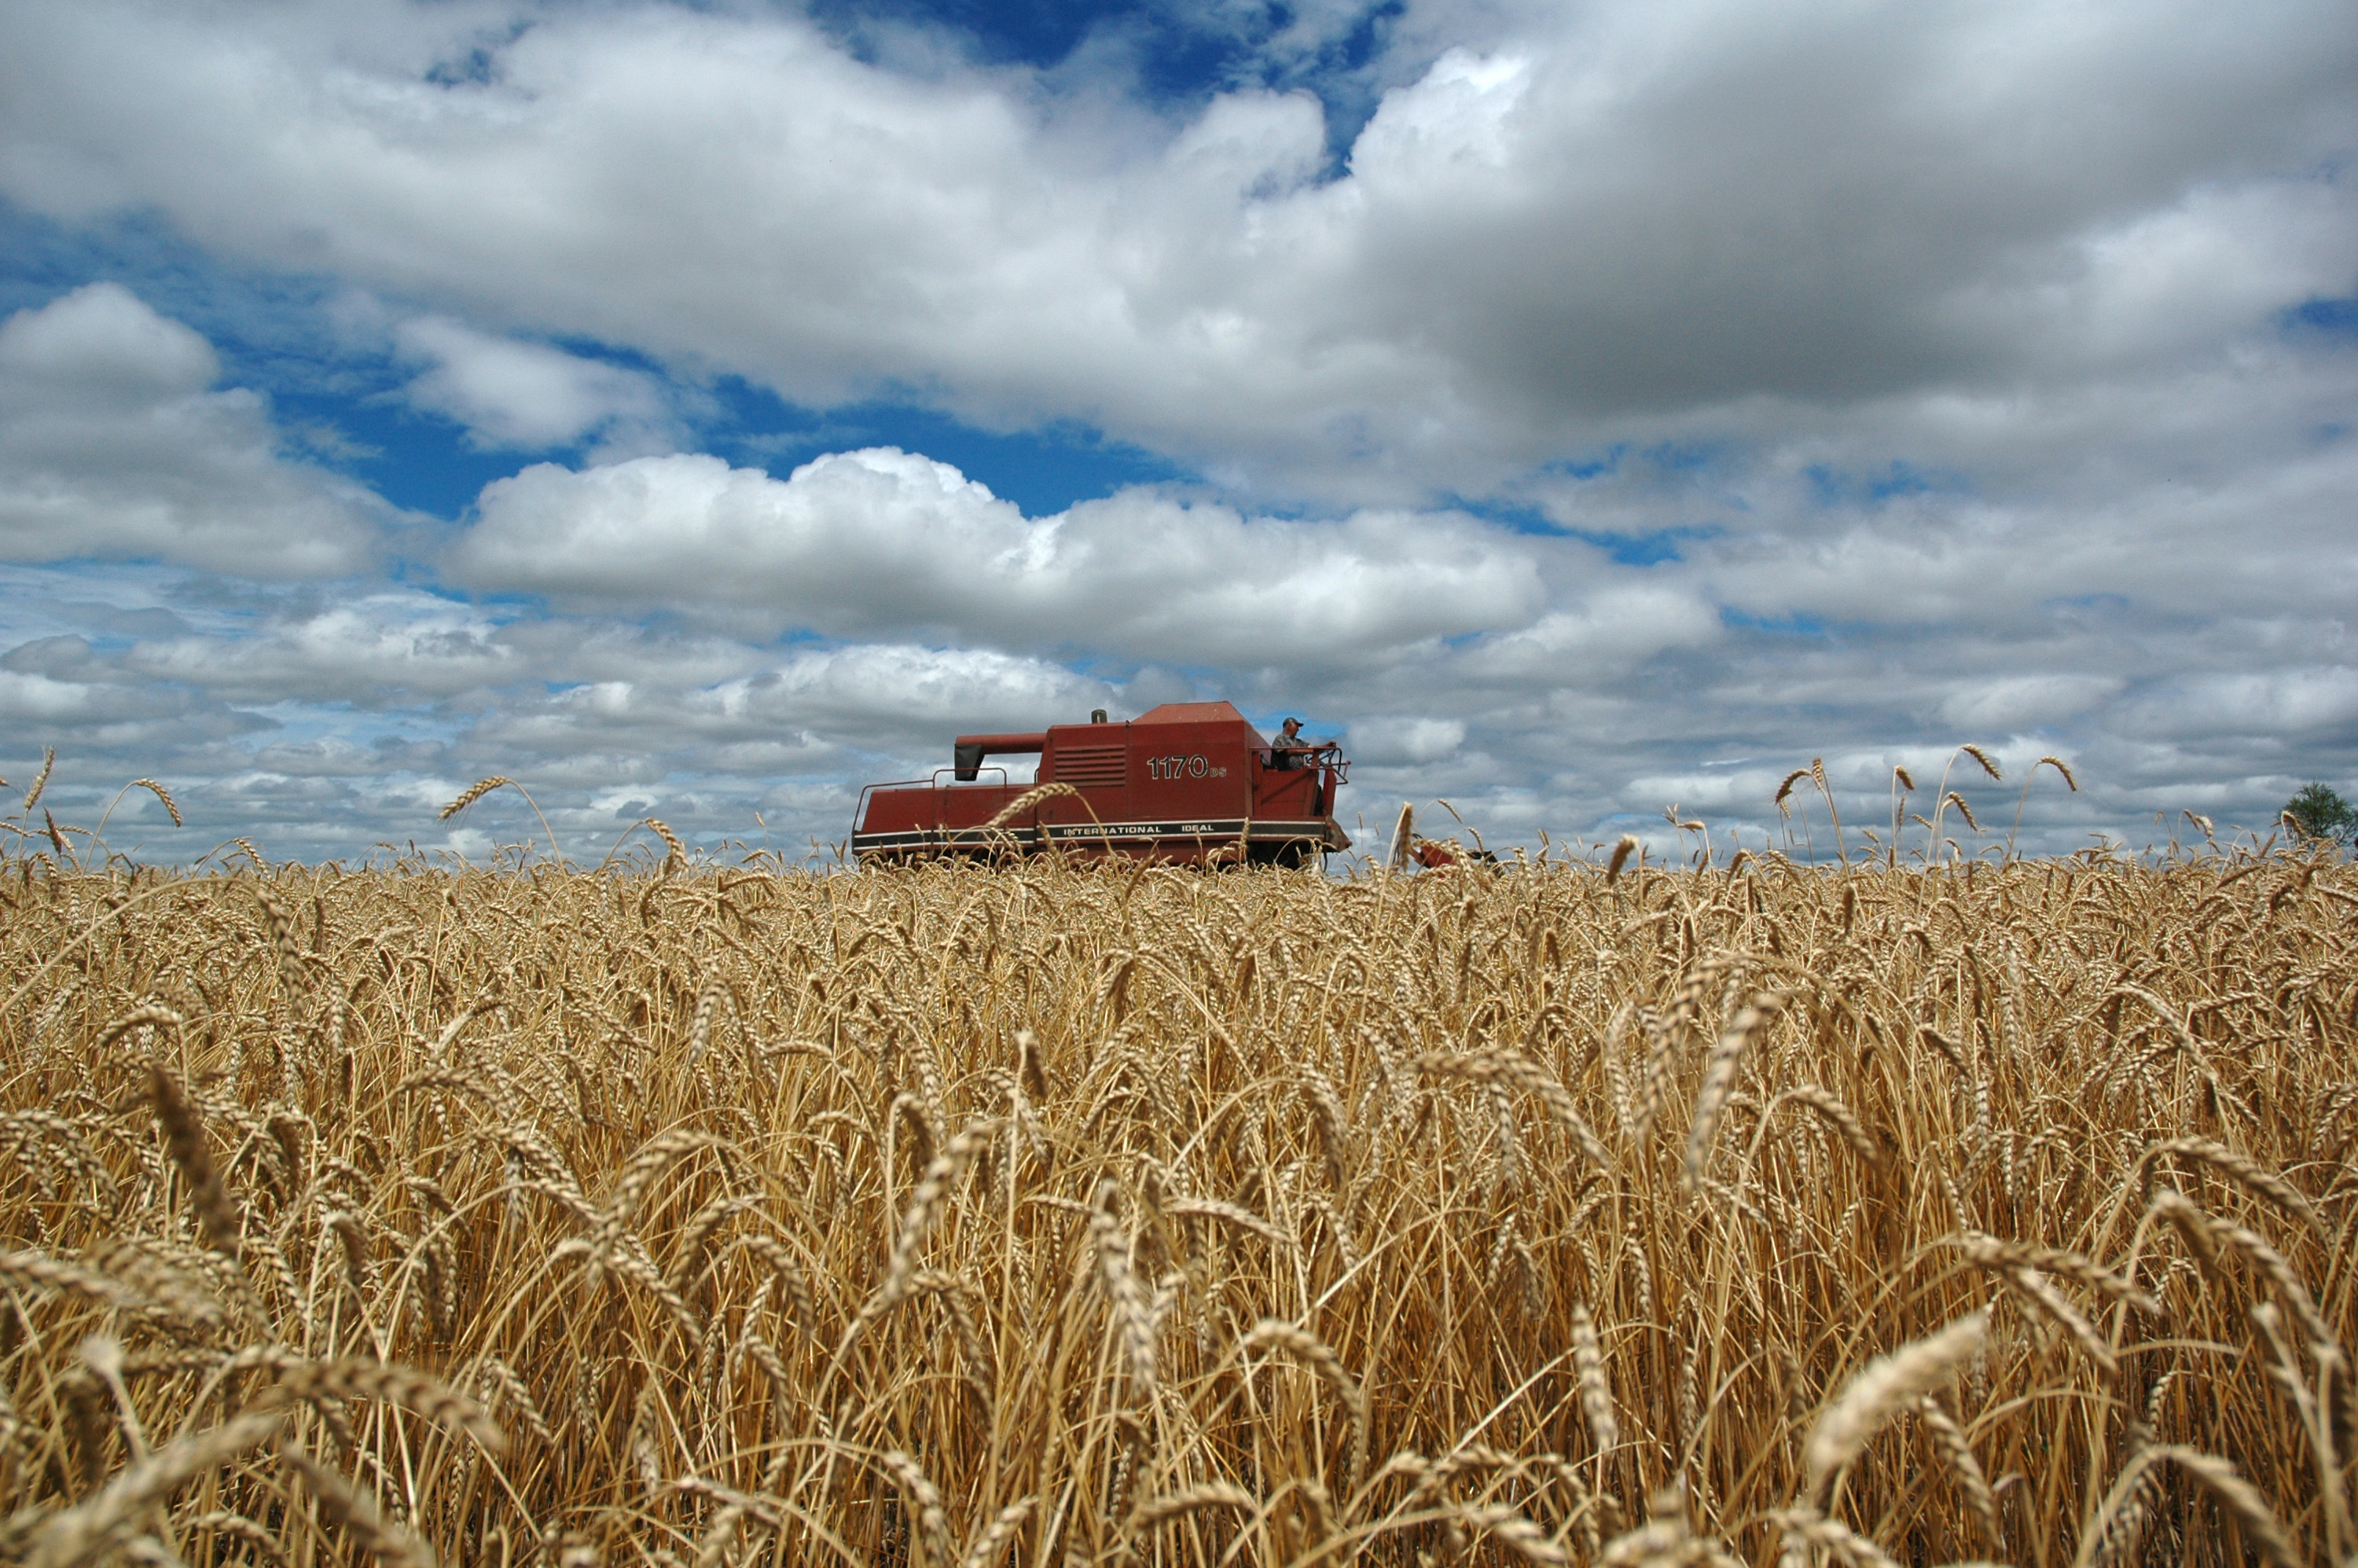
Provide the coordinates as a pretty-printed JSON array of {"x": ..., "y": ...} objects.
[{"x": 1187, "y": 781}]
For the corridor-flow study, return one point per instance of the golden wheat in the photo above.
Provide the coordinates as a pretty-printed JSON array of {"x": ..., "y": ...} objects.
[{"x": 717, "y": 1213}]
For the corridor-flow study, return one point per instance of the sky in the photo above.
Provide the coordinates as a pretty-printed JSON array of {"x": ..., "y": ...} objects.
[{"x": 1586, "y": 411}]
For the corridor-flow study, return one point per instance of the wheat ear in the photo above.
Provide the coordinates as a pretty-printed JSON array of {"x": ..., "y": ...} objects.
[
  {"x": 1026, "y": 801},
  {"x": 1805, "y": 1528},
  {"x": 1957, "y": 1452},
  {"x": 1320, "y": 1357},
  {"x": 1621, "y": 853},
  {"x": 2240, "y": 1168},
  {"x": 1194, "y": 1499},
  {"x": 1120, "y": 1282},
  {"x": 92, "y": 1529},
  {"x": 2222, "y": 1479},
  {"x": 153, "y": 787},
  {"x": 992, "y": 1542},
  {"x": 473, "y": 793},
  {"x": 184, "y": 1140},
  {"x": 675, "y": 856},
  {"x": 1719, "y": 1081},
  {"x": 346, "y": 1505},
  {"x": 1882, "y": 1389},
  {"x": 153, "y": 1013},
  {"x": 357, "y": 1378},
  {"x": 1595, "y": 1392},
  {"x": 933, "y": 1519},
  {"x": 1527, "y": 1540}
]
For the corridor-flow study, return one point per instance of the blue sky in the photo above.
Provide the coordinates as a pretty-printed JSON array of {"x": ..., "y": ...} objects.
[{"x": 1581, "y": 410}]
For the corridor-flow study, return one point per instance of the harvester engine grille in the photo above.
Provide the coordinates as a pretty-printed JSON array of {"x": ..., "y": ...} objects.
[{"x": 1085, "y": 766}]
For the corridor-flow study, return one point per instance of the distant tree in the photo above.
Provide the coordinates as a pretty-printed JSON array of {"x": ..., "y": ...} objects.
[{"x": 2321, "y": 813}]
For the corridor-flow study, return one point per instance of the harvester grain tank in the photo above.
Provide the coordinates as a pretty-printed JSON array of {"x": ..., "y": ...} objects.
[{"x": 1187, "y": 781}]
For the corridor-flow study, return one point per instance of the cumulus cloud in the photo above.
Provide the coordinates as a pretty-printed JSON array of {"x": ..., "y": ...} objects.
[
  {"x": 1611, "y": 629},
  {"x": 881, "y": 539},
  {"x": 529, "y": 396},
  {"x": 2300, "y": 701},
  {"x": 1639, "y": 210},
  {"x": 369, "y": 649},
  {"x": 113, "y": 446},
  {"x": 1384, "y": 740},
  {"x": 827, "y": 705},
  {"x": 2015, "y": 703},
  {"x": 321, "y": 727}
]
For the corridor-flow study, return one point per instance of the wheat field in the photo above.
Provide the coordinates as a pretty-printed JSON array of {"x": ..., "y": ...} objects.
[{"x": 950, "y": 1216}]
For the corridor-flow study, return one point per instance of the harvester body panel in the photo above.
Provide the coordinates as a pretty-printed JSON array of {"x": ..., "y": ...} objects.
[{"x": 1187, "y": 781}]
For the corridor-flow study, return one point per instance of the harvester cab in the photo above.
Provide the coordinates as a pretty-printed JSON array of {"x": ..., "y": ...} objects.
[{"x": 1187, "y": 781}]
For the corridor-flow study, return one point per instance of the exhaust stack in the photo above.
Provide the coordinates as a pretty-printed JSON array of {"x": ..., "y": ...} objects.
[{"x": 969, "y": 751}]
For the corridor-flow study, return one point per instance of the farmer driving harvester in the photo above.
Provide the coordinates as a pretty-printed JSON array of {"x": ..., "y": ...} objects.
[{"x": 1290, "y": 750}]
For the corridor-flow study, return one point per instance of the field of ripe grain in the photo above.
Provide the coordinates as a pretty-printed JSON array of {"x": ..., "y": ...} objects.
[{"x": 953, "y": 1217}]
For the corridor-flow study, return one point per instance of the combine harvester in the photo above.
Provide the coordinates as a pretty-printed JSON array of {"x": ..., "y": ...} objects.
[{"x": 1188, "y": 783}]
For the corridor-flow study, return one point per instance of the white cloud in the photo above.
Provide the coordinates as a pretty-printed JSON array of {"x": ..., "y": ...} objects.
[
  {"x": 1394, "y": 740},
  {"x": 101, "y": 345},
  {"x": 873, "y": 698},
  {"x": 366, "y": 650},
  {"x": 1457, "y": 121},
  {"x": 111, "y": 447},
  {"x": 2273, "y": 703},
  {"x": 37, "y": 699},
  {"x": 531, "y": 396},
  {"x": 878, "y": 540},
  {"x": 1610, "y": 629},
  {"x": 2021, "y": 702},
  {"x": 1596, "y": 220}
]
